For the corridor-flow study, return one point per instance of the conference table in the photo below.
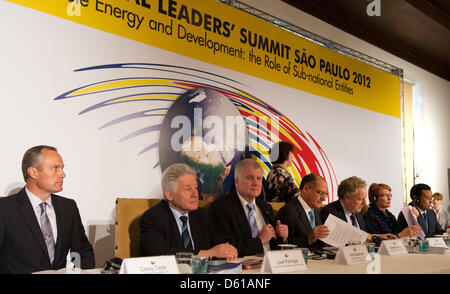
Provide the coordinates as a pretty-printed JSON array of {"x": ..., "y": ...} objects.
[{"x": 412, "y": 263}]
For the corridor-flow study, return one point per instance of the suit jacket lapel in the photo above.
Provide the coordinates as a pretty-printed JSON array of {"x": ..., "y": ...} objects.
[
  {"x": 266, "y": 211},
  {"x": 173, "y": 225},
  {"x": 317, "y": 216},
  {"x": 340, "y": 211},
  {"x": 27, "y": 212},
  {"x": 239, "y": 212},
  {"x": 59, "y": 227},
  {"x": 304, "y": 219},
  {"x": 196, "y": 230}
]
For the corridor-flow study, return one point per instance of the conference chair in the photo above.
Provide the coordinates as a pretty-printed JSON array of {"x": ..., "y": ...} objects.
[{"x": 128, "y": 214}]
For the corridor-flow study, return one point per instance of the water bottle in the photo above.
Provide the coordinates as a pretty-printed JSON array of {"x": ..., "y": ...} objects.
[{"x": 447, "y": 239}]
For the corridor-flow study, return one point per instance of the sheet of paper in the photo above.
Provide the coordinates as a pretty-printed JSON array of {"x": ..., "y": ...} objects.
[
  {"x": 411, "y": 219},
  {"x": 342, "y": 232}
]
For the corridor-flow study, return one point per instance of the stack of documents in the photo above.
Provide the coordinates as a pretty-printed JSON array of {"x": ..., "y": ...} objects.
[
  {"x": 342, "y": 232},
  {"x": 226, "y": 268}
]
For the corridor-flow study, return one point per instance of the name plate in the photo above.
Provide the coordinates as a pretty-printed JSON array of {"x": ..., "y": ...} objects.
[
  {"x": 150, "y": 265},
  {"x": 392, "y": 247},
  {"x": 352, "y": 255},
  {"x": 437, "y": 246},
  {"x": 283, "y": 261},
  {"x": 436, "y": 242}
]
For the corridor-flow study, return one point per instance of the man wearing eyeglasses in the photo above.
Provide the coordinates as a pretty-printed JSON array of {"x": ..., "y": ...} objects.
[
  {"x": 302, "y": 216},
  {"x": 421, "y": 202}
]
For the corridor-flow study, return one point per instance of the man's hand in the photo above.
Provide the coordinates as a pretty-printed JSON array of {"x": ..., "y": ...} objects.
[
  {"x": 282, "y": 231},
  {"x": 318, "y": 232},
  {"x": 223, "y": 250},
  {"x": 267, "y": 233}
]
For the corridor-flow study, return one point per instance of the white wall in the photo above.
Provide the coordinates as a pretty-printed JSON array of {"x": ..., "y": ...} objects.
[{"x": 434, "y": 90}]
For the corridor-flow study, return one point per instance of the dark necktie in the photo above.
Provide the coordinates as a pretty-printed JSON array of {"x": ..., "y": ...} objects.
[
  {"x": 252, "y": 220},
  {"x": 353, "y": 218},
  {"x": 46, "y": 229},
  {"x": 185, "y": 234},
  {"x": 425, "y": 216}
]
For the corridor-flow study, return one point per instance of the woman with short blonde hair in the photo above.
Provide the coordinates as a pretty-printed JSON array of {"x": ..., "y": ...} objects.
[{"x": 378, "y": 219}]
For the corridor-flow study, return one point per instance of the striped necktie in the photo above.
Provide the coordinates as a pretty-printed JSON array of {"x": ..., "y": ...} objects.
[
  {"x": 46, "y": 229},
  {"x": 185, "y": 233},
  {"x": 252, "y": 220}
]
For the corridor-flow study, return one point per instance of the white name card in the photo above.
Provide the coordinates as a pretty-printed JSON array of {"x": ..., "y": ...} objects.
[
  {"x": 437, "y": 246},
  {"x": 436, "y": 242},
  {"x": 150, "y": 265},
  {"x": 392, "y": 247},
  {"x": 282, "y": 261},
  {"x": 352, "y": 255}
]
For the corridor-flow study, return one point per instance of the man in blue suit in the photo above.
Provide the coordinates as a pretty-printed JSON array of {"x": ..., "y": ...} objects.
[{"x": 426, "y": 217}]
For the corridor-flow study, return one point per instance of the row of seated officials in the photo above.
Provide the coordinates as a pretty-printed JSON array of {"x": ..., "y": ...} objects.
[
  {"x": 242, "y": 224},
  {"x": 39, "y": 228}
]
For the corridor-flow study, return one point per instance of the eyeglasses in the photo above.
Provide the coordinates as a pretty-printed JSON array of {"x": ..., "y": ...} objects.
[
  {"x": 322, "y": 194},
  {"x": 385, "y": 195}
]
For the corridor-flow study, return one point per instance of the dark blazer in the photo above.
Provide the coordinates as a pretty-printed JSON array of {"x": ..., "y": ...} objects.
[
  {"x": 336, "y": 209},
  {"x": 159, "y": 233},
  {"x": 294, "y": 216},
  {"x": 22, "y": 245},
  {"x": 230, "y": 224},
  {"x": 434, "y": 228},
  {"x": 378, "y": 223}
]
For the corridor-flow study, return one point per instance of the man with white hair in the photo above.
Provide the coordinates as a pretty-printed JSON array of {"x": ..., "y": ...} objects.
[{"x": 177, "y": 224}]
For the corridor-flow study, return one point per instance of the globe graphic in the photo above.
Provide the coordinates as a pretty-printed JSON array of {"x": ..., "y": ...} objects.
[{"x": 204, "y": 130}]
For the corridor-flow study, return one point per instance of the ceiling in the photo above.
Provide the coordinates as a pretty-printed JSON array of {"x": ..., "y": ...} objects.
[{"x": 415, "y": 30}]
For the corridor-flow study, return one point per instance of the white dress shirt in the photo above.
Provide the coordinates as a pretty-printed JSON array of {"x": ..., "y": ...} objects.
[
  {"x": 260, "y": 222},
  {"x": 305, "y": 206},
  {"x": 35, "y": 202},
  {"x": 348, "y": 214}
]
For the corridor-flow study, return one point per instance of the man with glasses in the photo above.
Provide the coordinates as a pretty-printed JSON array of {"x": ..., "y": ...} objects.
[
  {"x": 302, "y": 216},
  {"x": 421, "y": 202}
]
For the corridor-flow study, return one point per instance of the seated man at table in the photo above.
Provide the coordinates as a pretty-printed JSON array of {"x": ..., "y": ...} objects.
[
  {"x": 244, "y": 219},
  {"x": 352, "y": 195},
  {"x": 37, "y": 227},
  {"x": 421, "y": 202},
  {"x": 302, "y": 216},
  {"x": 177, "y": 224}
]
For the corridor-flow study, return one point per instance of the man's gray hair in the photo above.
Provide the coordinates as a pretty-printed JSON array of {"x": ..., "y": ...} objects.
[
  {"x": 32, "y": 158},
  {"x": 172, "y": 173},
  {"x": 242, "y": 164},
  {"x": 349, "y": 186}
]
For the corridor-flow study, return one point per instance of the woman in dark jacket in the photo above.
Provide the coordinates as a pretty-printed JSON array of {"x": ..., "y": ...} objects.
[{"x": 378, "y": 219}]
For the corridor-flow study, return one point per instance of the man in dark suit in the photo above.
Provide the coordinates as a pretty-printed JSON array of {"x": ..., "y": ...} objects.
[
  {"x": 242, "y": 218},
  {"x": 426, "y": 217},
  {"x": 352, "y": 195},
  {"x": 177, "y": 224},
  {"x": 302, "y": 216},
  {"x": 38, "y": 228}
]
